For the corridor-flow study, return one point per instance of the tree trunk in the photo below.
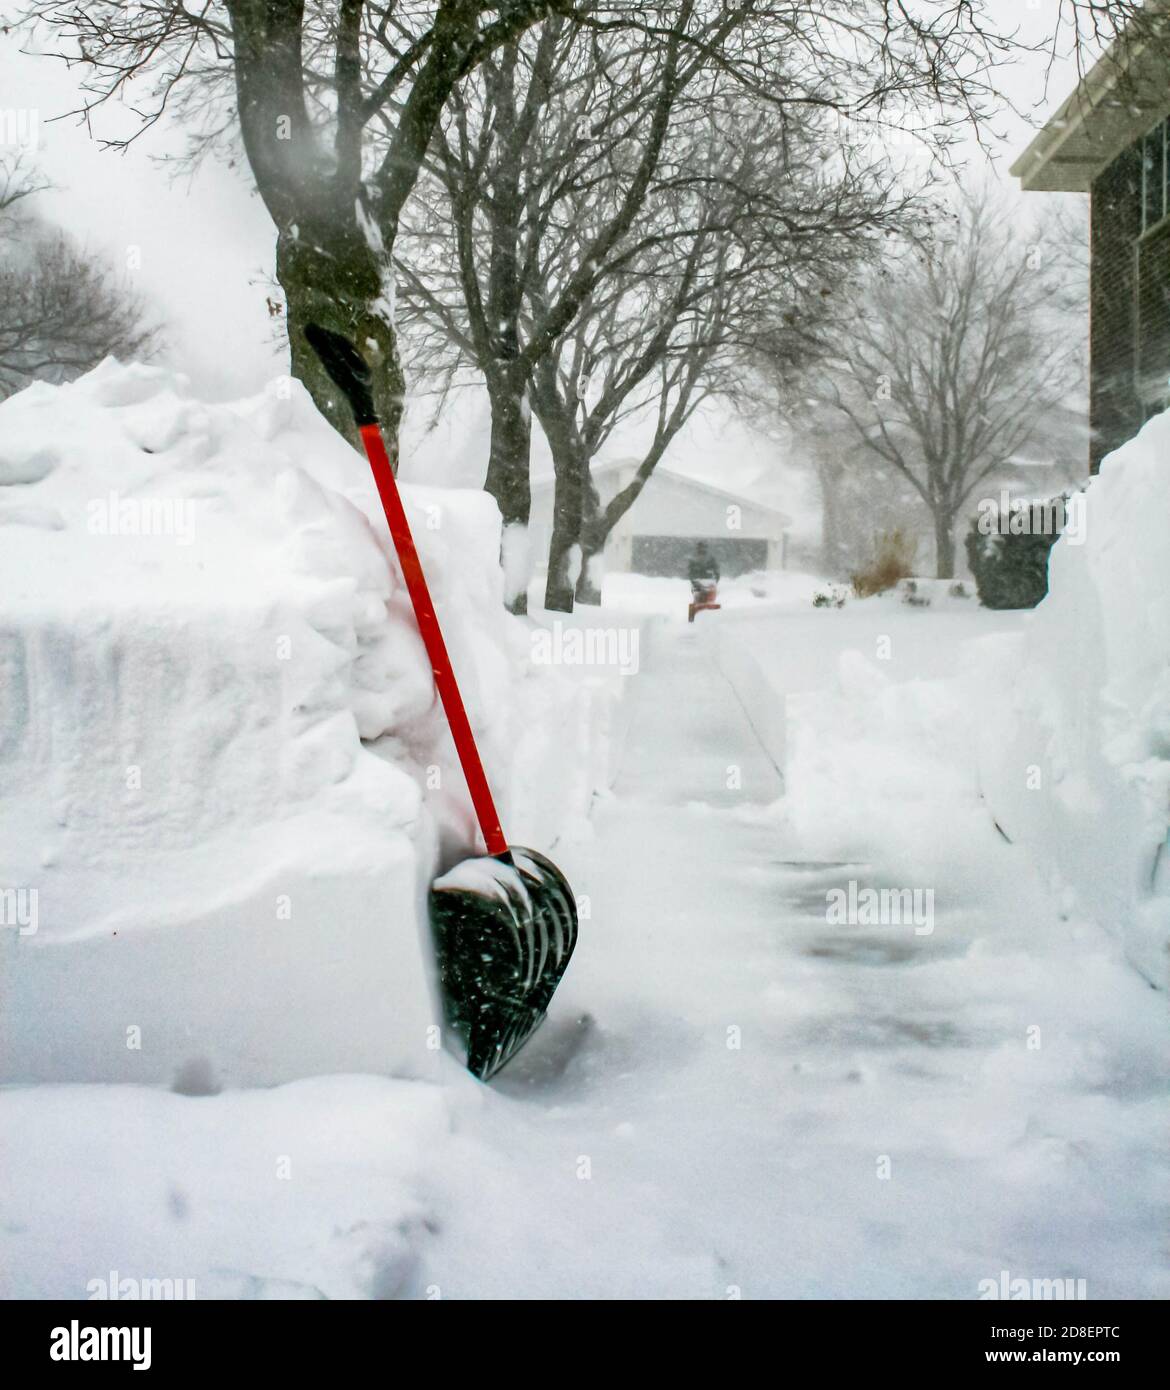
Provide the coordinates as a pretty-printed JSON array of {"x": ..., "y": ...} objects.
[
  {"x": 944, "y": 546},
  {"x": 572, "y": 471},
  {"x": 592, "y": 548},
  {"x": 332, "y": 276},
  {"x": 568, "y": 498},
  {"x": 509, "y": 462}
]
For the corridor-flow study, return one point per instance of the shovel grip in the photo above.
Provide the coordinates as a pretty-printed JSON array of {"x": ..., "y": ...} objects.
[{"x": 347, "y": 369}]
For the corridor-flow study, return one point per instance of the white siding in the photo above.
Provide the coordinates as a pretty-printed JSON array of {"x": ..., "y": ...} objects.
[{"x": 670, "y": 505}]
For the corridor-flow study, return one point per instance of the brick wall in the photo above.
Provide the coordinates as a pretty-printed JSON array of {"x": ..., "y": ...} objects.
[{"x": 1115, "y": 410}]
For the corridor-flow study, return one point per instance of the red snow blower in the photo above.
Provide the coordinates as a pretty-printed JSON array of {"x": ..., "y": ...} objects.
[
  {"x": 702, "y": 600},
  {"x": 504, "y": 923}
]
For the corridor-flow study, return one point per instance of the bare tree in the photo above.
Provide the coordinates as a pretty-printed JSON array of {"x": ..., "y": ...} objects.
[
  {"x": 335, "y": 100},
  {"x": 1111, "y": 30},
  {"x": 62, "y": 309},
  {"x": 745, "y": 215},
  {"x": 582, "y": 106},
  {"x": 948, "y": 362},
  {"x": 645, "y": 348},
  {"x": 336, "y": 103},
  {"x": 18, "y": 182},
  {"x": 577, "y": 130}
]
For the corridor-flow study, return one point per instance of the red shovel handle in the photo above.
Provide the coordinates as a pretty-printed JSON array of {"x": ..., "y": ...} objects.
[
  {"x": 432, "y": 635},
  {"x": 351, "y": 373}
]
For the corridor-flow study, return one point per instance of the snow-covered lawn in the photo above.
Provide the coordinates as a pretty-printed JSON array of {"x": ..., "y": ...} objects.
[{"x": 734, "y": 1094}]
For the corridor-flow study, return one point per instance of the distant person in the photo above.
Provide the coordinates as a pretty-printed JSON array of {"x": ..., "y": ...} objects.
[
  {"x": 703, "y": 570},
  {"x": 704, "y": 576}
]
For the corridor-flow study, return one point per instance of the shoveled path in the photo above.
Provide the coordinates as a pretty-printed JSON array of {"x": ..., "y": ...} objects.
[{"x": 758, "y": 1103}]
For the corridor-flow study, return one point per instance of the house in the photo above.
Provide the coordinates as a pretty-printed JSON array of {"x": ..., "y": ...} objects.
[
  {"x": 1111, "y": 139},
  {"x": 658, "y": 535}
]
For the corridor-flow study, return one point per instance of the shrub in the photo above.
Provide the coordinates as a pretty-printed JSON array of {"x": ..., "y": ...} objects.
[
  {"x": 1010, "y": 560},
  {"x": 893, "y": 559},
  {"x": 832, "y": 597}
]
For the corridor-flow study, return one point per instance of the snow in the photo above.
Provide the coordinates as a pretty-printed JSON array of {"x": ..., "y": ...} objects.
[
  {"x": 219, "y": 724},
  {"x": 648, "y": 595},
  {"x": 734, "y": 1095},
  {"x": 223, "y": 773},
  {"x": 515, "y": 554},
  {"x": 486, "y": 876},
  {"x": 305, "y": 1191},
  {"x": 1075, "y": 745}
]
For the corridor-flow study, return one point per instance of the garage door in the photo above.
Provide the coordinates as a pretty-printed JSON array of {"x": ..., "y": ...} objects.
[{"x": 670, "y": 555}]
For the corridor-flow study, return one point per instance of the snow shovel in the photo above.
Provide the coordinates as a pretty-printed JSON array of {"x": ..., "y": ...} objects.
[{"x": 504, "y": 923}]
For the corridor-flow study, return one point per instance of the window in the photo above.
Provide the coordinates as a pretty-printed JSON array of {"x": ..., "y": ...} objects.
[
  {"x": 1152, "y": 325},
  {"x": 1155, "y": 201}
]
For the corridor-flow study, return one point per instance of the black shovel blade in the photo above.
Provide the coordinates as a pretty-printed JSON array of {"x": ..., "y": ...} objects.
[{"x": 503, "y": 937}]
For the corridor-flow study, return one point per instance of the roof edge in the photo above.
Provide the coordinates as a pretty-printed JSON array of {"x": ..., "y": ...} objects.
[
  {"x": 1093, "y": 125},
  {"x": 674, "y": 476}
]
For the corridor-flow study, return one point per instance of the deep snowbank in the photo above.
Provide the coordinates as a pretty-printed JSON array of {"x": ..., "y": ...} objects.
[
  {"x": 217, "y": 727},
  {"x": 1075, "y": 747}
]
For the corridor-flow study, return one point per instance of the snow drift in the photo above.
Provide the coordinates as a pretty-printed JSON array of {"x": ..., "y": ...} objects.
[
  {"x": 1075, "y": 750},
  {"x": 217, "y": 724}
]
